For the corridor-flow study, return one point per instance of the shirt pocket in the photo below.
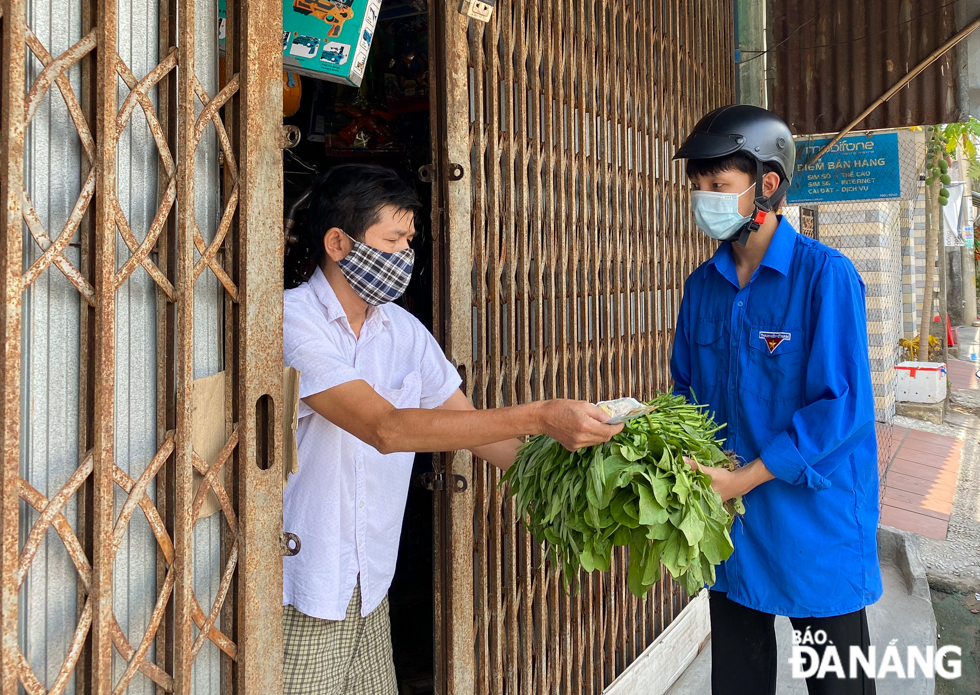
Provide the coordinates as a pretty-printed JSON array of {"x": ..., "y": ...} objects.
[
  {"x": 711, "y": 354},
  {"x": 407, "y": 395},
  {"x": 775, "y": 363}
]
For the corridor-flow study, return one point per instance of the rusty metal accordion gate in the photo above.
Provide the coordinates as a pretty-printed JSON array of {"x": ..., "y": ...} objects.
[
  {"x": 141, "y": 249},
  {"x": 567, "y": 241}
]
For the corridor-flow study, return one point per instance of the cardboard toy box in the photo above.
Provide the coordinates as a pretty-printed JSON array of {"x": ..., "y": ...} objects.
[{"x": 328, "y": 39}]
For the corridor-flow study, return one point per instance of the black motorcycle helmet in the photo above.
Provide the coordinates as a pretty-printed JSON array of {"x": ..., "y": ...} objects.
[{"x": 755, "y": 131}]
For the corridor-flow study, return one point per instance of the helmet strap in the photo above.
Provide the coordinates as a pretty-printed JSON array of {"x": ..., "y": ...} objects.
[{"x": 763, "y": 204}]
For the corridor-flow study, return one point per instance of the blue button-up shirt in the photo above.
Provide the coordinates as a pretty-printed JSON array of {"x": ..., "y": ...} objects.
[{"x": 784, "y": 362}]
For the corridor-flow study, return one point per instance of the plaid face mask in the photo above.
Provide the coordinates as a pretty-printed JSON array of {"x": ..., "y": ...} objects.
[{"x": 376, "y": 276}]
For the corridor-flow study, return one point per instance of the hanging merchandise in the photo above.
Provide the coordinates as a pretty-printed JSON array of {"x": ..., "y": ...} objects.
[
  {"x": 329, "y": 39},
  {"x": 222, "y": 25},
  {"x": 406, "y": 74},
  {"x": 366, "y": 127},
  {"x": 292, "y": 93},
  {"x": 222, "y": 36}
]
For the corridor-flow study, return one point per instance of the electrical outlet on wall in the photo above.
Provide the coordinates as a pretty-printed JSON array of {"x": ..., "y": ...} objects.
[{"x": 477, "y": 9}]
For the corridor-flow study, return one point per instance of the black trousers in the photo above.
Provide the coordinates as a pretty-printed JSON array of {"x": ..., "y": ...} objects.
[{"x": 743, "y": 649}]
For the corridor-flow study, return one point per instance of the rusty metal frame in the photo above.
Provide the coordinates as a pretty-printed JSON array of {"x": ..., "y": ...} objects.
[
  {"x": 245, "y": 621},
  {"x": 565, "y": 248}
]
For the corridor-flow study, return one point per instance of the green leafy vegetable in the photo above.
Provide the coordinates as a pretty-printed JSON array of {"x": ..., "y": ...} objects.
[{"x": 635, "y": 491}]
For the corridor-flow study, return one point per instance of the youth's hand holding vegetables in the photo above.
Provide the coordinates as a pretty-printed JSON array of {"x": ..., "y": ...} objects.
[{"x": 730, "y": 484}]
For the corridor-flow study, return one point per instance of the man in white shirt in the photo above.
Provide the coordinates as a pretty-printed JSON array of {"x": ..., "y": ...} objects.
[{"x": 375, "y": 388}]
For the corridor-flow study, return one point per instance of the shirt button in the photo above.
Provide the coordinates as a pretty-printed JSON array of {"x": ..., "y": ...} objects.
[
  {"x": 360, "y": 505},
  {"x": 741, "y": 303},
  {"x": 360, "y": 465}
]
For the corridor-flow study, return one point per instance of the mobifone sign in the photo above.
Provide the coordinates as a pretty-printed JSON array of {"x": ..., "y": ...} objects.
[{"x": 862, "y": 167}]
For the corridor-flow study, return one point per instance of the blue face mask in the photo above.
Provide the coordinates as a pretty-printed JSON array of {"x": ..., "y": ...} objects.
[{"x": 716, "y": 214}]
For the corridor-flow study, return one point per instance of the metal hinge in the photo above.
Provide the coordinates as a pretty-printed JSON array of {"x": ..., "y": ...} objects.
[
  {"x": 434, "y": 481},
  {"x": 289, "y": 544},
  {"x": 289, "y": 137},
  {"x": 455, "y": 172},
  {"x": 427, "y": 172}
]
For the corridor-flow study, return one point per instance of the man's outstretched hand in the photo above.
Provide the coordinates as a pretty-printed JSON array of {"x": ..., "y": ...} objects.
[{"x": 576, "y": 424}]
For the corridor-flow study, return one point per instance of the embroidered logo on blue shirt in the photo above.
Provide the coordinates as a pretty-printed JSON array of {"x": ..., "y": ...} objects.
[{"x": 774, "y": 339}]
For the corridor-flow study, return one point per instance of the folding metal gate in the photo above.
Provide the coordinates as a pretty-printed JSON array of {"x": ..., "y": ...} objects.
[
  {"x": 566, "y": 239},
  {"x": 141, "y": 248}
]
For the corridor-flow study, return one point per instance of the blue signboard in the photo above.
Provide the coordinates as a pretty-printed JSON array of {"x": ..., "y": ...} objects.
[{"x": 856, "y": 168}]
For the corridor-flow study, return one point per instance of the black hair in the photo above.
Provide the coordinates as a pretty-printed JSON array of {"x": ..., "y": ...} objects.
[
  {"x": 738, "y": 161},
  {"x": 349, "y": 197}
]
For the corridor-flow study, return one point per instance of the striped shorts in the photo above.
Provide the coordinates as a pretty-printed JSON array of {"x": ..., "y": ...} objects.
[{"x": 338, "y": 657}]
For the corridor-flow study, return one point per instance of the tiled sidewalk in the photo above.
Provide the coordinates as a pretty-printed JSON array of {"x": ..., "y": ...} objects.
[
  {"x": 919, "y": 482},
  {"x": 963, "y": 374}
]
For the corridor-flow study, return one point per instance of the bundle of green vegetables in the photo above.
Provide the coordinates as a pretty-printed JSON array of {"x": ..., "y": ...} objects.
[{"x": 637, "y": 491}]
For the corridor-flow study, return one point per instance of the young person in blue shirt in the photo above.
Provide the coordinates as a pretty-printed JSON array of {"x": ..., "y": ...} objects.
[{"x": 772, "y": 338}]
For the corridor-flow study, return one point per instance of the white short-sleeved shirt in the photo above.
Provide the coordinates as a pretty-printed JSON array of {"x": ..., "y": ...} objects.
[{"x": 347, "y": 501}]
